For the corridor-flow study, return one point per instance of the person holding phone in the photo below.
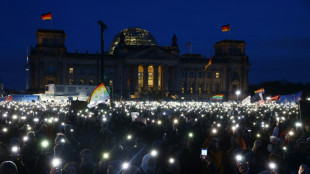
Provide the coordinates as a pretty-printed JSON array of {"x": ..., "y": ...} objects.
[{"x": 213, "y": 158}]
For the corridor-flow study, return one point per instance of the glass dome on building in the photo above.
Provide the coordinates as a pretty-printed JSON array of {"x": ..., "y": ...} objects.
[{"x": 133, "y": 36}]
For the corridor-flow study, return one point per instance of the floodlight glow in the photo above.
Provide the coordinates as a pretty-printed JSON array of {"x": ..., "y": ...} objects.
[
  {"x": 125, "y": 165},
  {"x": 239, "y": 157},
  {"x": 105, "y": 155},
  {"x": 62, "y": 140},
  {"x": 44, "y": 143},
  {"x": 25, "y": 138},
  {"x": 129, "y": 137},
  {"x": 258, "y": 135},
  {"x": 190, "y": 135},
  {"x": 272, "y": 165},
  {"x": 154, "y": 153},
  {"x": 159, "y": 122},
  {"x": 175, "y": 121},
  {"x": 291, "y": 133},
  {"x": 15, "y": 149},
  {"x": 56, "y": 162},
  {"x": 298, "y": 124},
  {"x": 214, "y": 131},
  {"x": 238, "y": 92},
  {"x": 171, "y": 160}
]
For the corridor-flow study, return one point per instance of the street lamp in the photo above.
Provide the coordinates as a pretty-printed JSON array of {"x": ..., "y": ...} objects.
[{"x": 238, "y": 92}]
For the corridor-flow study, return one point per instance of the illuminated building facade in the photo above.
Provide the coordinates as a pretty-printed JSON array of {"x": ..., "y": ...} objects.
[{"x": 136, "y": 66}]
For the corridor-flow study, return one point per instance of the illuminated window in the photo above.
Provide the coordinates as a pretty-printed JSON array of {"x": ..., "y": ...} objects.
[
  {"x": 208, "y": 87},
  {"x": 192, "y": 90},
  {"x": 71, "y": 81},
  {"x": 110, "y": 83},
  {"x": 217, "y": 75},
  {"x": 159, "y": 77},
  {"x": 140, "y": 77},
  {"x": 71, "y": 70},
  {"x": 150, "y": 77},
  {"x": 91, "y": 82},
  {"x": 199, "y": 90},
  {"x": 81, "y": 82},
  {"x": 182, "y": 90}
]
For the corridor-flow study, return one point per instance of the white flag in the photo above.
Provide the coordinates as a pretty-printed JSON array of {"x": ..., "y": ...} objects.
[{"x": 247, "y": 100}]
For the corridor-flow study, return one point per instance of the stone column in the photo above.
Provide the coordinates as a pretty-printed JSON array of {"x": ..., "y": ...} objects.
[
  {"x": 178, "y": 80},
  {"x": 135, "y": 78},
  {"x": 145, "y": 77},
  {"x": 165, "y": 79},
  {"x": 155, "y": 85},
  {"x": 195, "y": 82}
]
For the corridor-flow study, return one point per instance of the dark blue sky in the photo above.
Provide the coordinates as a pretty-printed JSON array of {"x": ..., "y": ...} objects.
[{"x": 277, "y": 33}]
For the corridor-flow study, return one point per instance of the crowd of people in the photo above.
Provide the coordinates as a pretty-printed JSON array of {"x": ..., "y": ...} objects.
[{"x": 153, "y": 137}]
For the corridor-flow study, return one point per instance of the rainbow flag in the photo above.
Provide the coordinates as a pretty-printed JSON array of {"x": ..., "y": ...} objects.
[
  {"x": 261, "y": 90},
  {"x": 218, "y": 97},
  {"x": 99, "y": 95}
]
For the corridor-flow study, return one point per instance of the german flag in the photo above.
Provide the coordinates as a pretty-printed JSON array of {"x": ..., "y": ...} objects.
[
  {"x": 209, "y": 63},
  {"x": 226, "y": 28},
  {"x": 47, "y": 16},
  {"x": 218, "y": 97}
]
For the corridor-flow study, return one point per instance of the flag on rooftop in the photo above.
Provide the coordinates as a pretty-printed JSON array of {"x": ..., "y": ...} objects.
[
  {"x": 226, "y": 28},
  {"x": 47, "y": 16},
  {"x": 209, "y": 63}
]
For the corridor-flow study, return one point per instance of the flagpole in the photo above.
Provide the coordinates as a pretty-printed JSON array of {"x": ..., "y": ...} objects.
[
  {"x": 121, "y": 87},
  {"x": 129, "y": 88},
  {"x": 51, "y": 21}
]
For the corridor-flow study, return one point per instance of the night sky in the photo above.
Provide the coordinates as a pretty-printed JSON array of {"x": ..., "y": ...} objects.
[{"x": 277, "y": 33}]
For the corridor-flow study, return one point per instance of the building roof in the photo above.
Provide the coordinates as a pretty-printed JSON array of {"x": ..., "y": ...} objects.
[
  {"x": 230, "y": 41},
  {"x": 134, "y": 37}
]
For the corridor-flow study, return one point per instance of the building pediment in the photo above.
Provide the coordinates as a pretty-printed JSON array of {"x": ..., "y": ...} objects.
[{"x": 152, "y": 53}]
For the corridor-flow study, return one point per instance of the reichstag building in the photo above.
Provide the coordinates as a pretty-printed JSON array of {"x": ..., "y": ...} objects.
[{"x": 136, "y": 66}]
